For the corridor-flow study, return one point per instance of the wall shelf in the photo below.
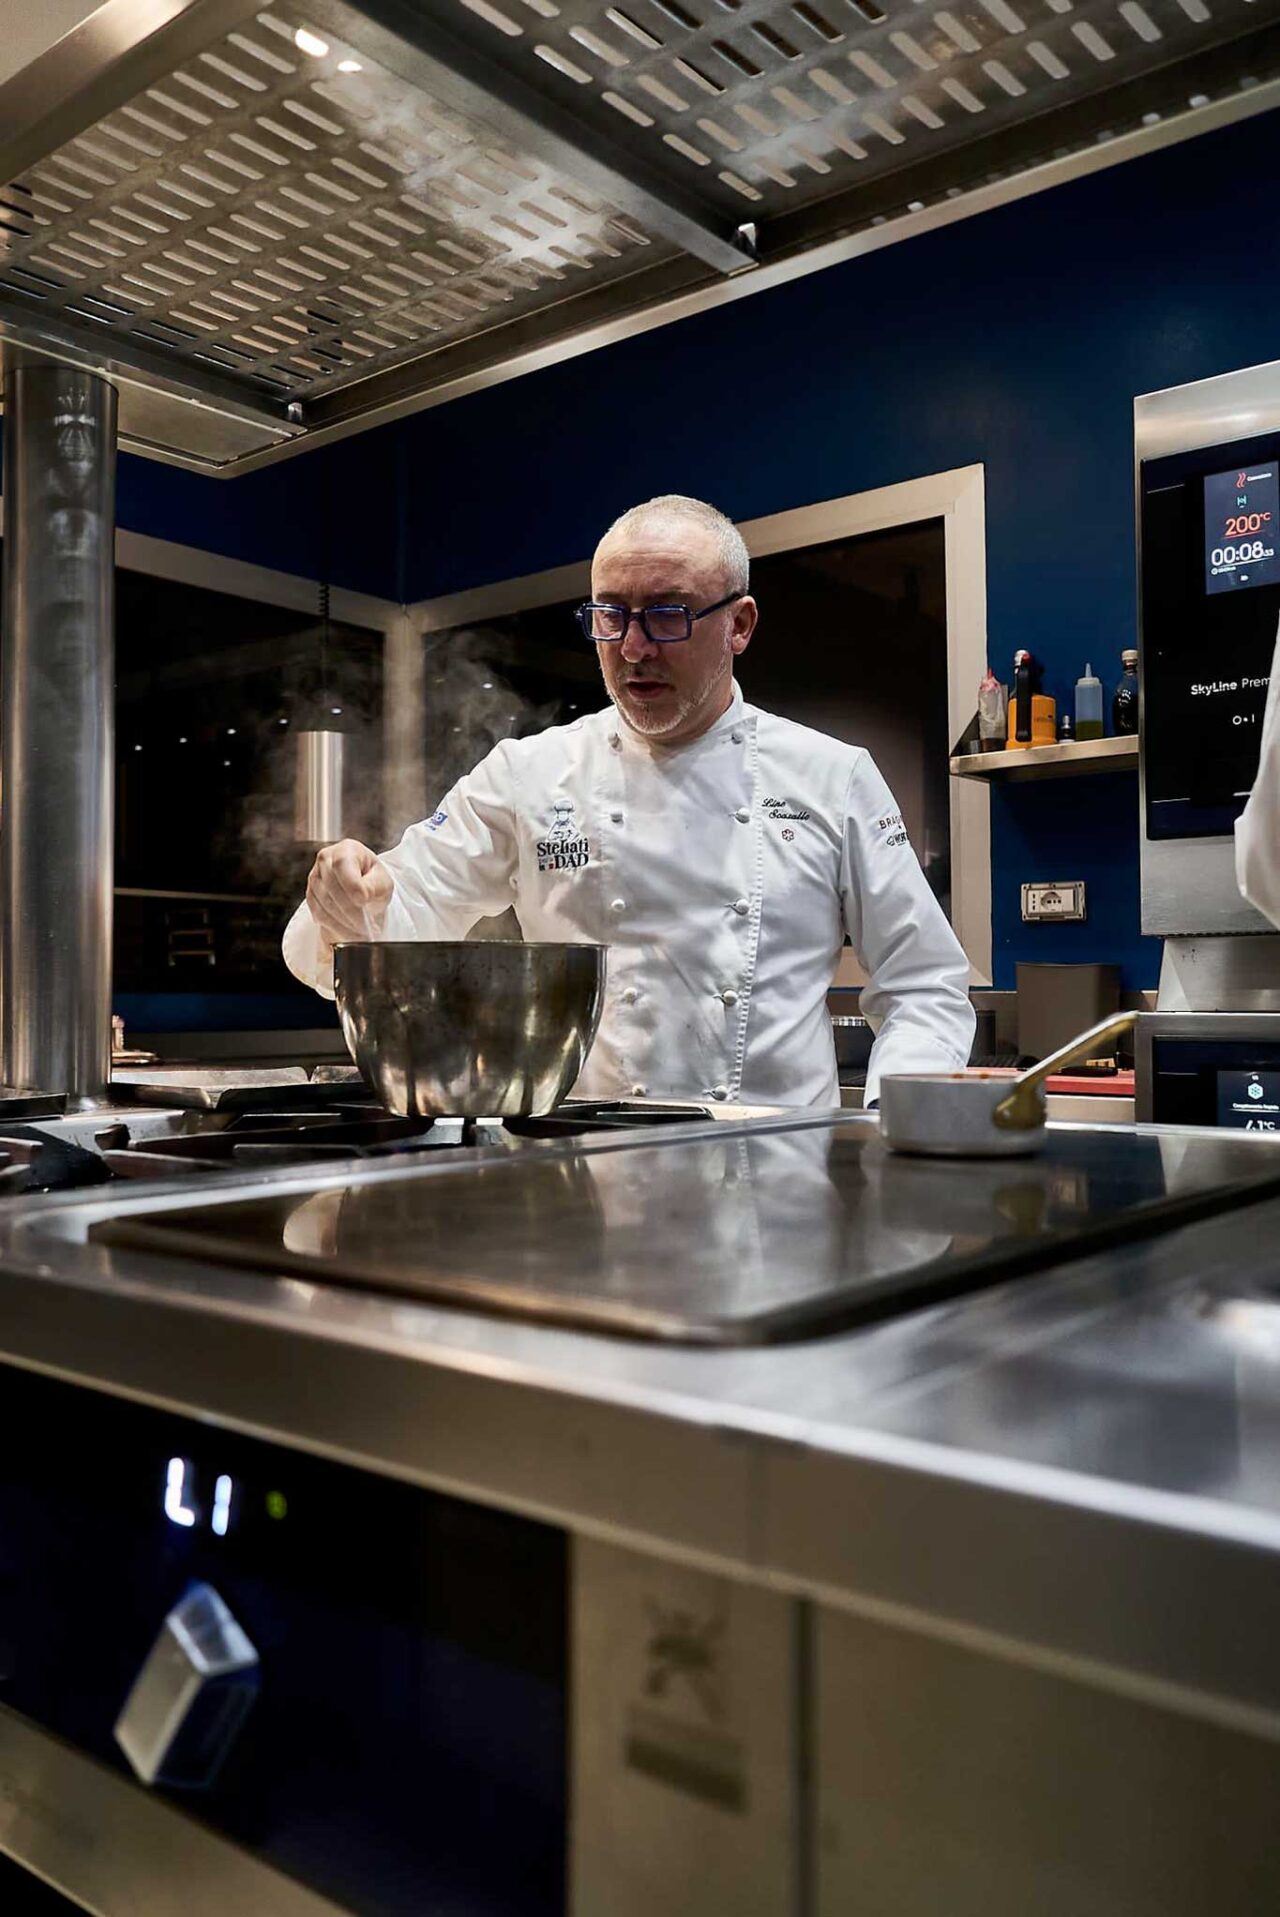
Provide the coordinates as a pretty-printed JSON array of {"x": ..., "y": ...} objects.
[{"x": 1070, "y": 760}]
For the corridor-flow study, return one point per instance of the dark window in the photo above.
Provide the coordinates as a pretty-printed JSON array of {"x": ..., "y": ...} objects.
[{"x": 211, "y": 691}]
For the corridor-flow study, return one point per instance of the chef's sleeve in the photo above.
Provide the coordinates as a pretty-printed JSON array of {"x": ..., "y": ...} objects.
[
  {"x": 917, "y": 991},
  {"x": 452, "y": 869},
  {"x": 1258, "y": 827}
]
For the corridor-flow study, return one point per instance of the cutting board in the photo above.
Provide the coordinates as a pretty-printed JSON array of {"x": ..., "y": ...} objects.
[
  {"x": 1116, "y": 1085},
  {"x": 1078, "y": 1085}
]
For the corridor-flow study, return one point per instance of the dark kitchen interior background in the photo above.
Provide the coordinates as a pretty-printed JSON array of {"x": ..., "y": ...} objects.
[{"x": 212, "y": 689}]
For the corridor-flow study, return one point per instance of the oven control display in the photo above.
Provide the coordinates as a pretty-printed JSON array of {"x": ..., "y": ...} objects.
[
  {"x": 1249, "y": 1101},
  {"x": 1242, "y": 527},
  {"x": 1210, "y": 592}
]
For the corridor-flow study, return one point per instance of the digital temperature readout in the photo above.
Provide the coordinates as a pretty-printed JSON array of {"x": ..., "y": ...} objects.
[{"x": 1241, "y": 528}]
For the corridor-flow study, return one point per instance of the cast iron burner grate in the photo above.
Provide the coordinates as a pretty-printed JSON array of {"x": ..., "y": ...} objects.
[
  {"x": 345, "y": 1130},
  {"x": 572, "y": 1121},
  {"x": 340, "y": 1127}
]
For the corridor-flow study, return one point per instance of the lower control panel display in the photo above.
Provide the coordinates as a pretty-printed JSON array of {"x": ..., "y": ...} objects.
[
  {"x": 403, "y": 1652},
  {"x": 1249, "y": 1101}
]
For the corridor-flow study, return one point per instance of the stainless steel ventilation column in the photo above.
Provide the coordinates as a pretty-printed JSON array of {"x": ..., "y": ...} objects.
[{"x": 57, "y": 730}]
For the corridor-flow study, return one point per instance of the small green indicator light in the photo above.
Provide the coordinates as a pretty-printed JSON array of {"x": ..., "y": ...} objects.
[{"x": 277, "y": 1504}]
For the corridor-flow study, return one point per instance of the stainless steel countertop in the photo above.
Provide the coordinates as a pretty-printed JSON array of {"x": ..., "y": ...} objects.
[{"x": 1080, "y": 1468}]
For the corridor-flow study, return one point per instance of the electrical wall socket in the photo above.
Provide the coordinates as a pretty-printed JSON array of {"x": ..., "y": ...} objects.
[{"x": 1063, "y": 900}]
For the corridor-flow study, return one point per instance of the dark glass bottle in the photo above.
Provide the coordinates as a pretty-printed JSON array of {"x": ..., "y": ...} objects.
[{"x": 1124, "y": 707}]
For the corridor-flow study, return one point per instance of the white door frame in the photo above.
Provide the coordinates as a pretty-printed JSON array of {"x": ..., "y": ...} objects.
[
  {"x": 194, "y": 566},
  {"x": 958, "y": 499}
]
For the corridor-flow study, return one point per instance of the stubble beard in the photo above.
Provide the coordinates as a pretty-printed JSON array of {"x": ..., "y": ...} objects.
[{"x": 652, "y": 724}]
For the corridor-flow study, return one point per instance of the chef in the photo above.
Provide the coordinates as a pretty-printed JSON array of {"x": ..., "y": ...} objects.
[
  {"x": 1258, "y": 827},
  {"x": 720, "y": 852}
]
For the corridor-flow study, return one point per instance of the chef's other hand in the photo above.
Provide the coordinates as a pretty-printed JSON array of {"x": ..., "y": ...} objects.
[{"x": 348, "y": 892}]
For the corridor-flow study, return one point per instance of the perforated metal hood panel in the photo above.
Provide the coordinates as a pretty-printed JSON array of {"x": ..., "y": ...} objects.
[
  {"x": 289, "y": 216},
  {"x": 773, "y": 105}
]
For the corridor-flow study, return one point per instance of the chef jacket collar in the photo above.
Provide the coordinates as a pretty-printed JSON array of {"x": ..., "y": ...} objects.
[{"x": 732, "y": 715}]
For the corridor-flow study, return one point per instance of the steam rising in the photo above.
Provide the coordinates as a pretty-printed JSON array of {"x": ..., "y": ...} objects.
[
  {"x": 258, "y": 850},
  {"x": 470, "y": 705}
]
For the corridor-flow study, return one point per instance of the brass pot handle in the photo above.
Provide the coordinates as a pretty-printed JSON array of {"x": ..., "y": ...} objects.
[{"x": 1021, "y": 1110}]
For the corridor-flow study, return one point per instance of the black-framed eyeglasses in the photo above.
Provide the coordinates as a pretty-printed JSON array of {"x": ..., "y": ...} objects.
[{"x": 604, "y": 621}]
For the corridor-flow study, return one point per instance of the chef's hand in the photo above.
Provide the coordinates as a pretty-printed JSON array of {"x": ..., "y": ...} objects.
[{"x": 348, "y": 893}]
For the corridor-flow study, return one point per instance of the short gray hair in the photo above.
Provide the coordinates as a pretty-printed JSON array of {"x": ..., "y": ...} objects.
[{"x": 734, "y": 556}]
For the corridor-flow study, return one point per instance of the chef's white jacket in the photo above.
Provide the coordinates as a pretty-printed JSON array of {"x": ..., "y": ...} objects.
[
  {"x": 722, "y": 874},
  {"x": 1258, "y": 827}
]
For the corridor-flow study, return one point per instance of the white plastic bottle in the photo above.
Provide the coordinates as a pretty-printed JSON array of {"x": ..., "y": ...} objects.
[{"x": 1089, "y": 706}]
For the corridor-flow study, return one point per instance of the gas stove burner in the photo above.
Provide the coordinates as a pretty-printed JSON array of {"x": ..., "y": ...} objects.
[
  {"x": 329, "y": 1123},
  {"x": 32, "y": 1160},
  {"x": 265, "y": 1140}
]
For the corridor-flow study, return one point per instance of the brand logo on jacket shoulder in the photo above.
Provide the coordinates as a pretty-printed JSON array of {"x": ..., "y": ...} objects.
[{"x": 563, "y": 849}]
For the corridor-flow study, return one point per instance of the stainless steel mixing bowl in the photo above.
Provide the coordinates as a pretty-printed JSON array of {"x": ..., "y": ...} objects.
[{"x": 485, "y": 1027}]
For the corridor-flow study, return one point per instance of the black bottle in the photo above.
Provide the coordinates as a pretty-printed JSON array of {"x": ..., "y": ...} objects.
[{"x": 1124, "y": 707}]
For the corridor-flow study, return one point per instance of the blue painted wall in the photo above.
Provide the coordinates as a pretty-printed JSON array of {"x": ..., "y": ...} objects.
[
  {"x": 334, "y": 508},
  {"x": 1018, "y": 339}
]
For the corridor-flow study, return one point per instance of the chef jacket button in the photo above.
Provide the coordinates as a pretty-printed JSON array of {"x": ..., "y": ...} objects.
[
  {"x": 630, "y": 996},
  {"x": 614, "y": 740},
  {"x": 743, "y": 815},
  {"x": 616, "y": 817},
  {"x": 742, "y": 907},
  {"x": 719, "y": 1091},
  {"x": 617, "y": 905},
  {"x": 638, "y": 1091},
  {"x": 728, "y": 998},
  {"x": 736, "y": 736}
]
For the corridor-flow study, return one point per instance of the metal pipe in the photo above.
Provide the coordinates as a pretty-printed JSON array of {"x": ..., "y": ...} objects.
[
  {"x": 404, "y": 727},
  {"x": 57, "y": 730},
  {"x": 318, "y": 800}
]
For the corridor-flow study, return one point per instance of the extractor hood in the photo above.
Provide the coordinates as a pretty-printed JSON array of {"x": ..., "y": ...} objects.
[{"x": 274, "y": 224}]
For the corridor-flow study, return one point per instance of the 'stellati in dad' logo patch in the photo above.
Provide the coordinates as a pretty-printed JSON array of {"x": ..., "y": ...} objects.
[{"x": 564, "y": 849}]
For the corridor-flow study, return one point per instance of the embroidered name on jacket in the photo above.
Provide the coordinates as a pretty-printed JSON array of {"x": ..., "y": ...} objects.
[{"x": 780, "y": 809}]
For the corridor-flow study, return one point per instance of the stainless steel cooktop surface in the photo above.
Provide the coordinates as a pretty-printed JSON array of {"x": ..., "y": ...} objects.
[{"x": 736, "y": 1238}]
